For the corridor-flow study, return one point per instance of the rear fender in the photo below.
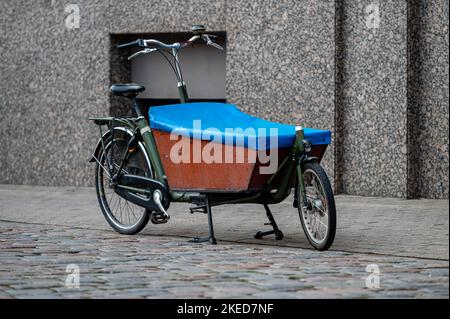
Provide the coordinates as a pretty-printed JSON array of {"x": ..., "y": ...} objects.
[{"x": 95, "y": 155}]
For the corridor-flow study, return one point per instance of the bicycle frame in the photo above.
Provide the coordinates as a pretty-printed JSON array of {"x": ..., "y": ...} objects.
[
  {"x": 139, "y": 127},
  {"x": 290, "y": 167}
]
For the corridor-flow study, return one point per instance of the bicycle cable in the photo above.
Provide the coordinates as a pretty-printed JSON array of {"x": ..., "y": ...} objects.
[{"x": 161, "y": 51}]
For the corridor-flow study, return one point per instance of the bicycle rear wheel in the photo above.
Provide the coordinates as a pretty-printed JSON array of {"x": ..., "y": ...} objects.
[{"x": 124, "y": 216}]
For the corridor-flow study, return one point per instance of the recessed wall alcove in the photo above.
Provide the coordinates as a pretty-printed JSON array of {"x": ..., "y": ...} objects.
[{"x": 203, "y": 69}]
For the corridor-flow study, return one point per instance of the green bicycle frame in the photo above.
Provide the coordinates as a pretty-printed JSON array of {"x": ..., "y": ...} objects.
[
  {"x": 286, "y": 174},
  {"x": 288, "y": 171}
]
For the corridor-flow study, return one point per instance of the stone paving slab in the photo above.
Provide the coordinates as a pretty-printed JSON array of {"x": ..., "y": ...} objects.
[
  {"x": 33, "y": 261},
  {"x": 412, "y": 228}
]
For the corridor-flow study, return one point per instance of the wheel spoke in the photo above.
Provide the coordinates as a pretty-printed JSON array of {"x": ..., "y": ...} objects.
[{"x": 319, "y": 221}]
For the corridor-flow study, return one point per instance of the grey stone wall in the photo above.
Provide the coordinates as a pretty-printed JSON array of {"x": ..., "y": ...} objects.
[
  {"x": 428, "y": 96},
  {"x": 51, "y": 79},
  {"x": 314, "y": 61},
  {"x": 372, "y": 98}
]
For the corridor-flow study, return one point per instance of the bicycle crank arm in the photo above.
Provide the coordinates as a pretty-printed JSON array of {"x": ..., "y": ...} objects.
[{"x": 157, "y": 197}]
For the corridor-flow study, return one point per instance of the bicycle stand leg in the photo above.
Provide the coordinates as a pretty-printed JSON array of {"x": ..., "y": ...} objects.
[
  {"x": 210, "y": 238},
  {"x": 276, "y": 231}
]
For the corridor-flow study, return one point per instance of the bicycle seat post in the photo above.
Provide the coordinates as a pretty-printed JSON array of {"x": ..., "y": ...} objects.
[{"x": 137, "y": 107}]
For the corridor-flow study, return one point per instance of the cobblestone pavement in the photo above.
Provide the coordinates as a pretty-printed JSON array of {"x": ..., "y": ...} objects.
[
  {"x": 44, "y": 229},
  {"x": 34, "y": 260},
  {"x": 409, "y": 228}
]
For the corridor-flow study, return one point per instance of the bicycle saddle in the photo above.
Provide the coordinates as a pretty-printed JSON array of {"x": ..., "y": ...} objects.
[{"x": 129, "y": 90}]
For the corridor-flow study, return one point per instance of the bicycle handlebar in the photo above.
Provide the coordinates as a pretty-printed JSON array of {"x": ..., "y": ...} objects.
[
  {"x": 199, "y": 33},
  {"x": 141, "y": 43}
]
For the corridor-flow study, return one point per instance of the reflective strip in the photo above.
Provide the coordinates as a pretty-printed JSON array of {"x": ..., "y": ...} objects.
[{"x": 145, "y": 129}]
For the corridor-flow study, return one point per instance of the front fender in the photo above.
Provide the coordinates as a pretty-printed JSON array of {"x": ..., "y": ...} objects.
[
  {"x": 305, "y": 158},
  {"x": 308, "y": 159}
]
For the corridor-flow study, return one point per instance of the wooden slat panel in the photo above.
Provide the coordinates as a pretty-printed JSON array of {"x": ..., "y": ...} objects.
[{"x": 205, "y": 176}]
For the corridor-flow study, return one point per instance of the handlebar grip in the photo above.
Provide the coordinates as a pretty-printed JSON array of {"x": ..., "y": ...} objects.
[
  {"x": 127, "y": 45},
  {"x": 137, "y": 43}
]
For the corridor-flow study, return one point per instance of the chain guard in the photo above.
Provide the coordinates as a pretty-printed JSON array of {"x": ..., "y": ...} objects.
[{"x": 146, "y": 183}]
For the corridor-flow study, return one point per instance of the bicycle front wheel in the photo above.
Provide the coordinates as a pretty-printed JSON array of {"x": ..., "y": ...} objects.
[{"x": 318, "y": 218}]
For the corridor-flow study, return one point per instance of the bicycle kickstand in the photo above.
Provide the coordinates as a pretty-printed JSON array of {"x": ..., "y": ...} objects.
[
  {"x": 276, "y": 231},
  {"x": 207, "y": 210}
]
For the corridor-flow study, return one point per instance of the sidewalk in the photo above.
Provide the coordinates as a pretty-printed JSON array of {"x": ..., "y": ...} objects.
[
  {"x": 411, "y": 228},
  {"x": 44, "y": 230}
]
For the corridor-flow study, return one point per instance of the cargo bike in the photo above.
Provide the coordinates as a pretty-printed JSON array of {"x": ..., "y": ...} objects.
[{"x": 206, "y": 154}]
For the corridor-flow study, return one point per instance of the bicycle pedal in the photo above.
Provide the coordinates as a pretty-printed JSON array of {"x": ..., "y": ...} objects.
[
  {"x": 159, "y": 218},
  {"x": 197, "y": 210}
]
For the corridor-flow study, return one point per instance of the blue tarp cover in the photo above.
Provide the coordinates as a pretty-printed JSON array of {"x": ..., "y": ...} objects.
[{"x": 225, "y": 123}]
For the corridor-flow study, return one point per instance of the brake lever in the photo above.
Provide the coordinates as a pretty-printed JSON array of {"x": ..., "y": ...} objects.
[
  {"x": 217, "y": 46},
  {"x": 145, "y": 51},
  {"x": 207, "y": 38}
]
